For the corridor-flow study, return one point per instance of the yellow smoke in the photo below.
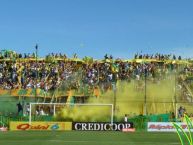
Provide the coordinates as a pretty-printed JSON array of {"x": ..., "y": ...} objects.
[{"x": 130, "y": 98}]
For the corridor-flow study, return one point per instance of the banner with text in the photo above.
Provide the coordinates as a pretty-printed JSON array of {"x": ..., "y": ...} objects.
[
  {"x": 40, "y": 125},
  {"x": 165, "y": 126},
  {"x": 100, "y": 126}
]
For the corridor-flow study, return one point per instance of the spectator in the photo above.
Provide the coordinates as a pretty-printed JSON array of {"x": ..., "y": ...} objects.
[
  {"x": 19, "y": 108},
  {"x": 125, "y": 118}
]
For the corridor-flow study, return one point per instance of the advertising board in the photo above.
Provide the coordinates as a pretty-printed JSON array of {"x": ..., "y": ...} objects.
[
  {"x": 165, "y": 127},
  {"x": 100, "y": 126},
  {"x": 40, "y": 125}
]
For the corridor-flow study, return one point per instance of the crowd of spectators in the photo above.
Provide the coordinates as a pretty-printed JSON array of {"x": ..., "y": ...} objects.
[
  {"x": 13, "y": 55},
  {"x": 185, "y": 83},
  {"x": 29, "y": 74},
  {"x": 66, "y": 74},
  {"x": 157, "y": 56},
  {"x": 72, "y": 74}
]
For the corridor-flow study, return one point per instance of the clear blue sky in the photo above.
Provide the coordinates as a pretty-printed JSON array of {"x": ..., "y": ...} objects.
[{"x": 96, "y": 27}]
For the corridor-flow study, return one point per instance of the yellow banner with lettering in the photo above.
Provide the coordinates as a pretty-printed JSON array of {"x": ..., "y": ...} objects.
[{"x": 15, "y": 125}]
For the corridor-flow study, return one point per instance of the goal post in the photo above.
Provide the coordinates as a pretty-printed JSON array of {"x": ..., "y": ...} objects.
[{"x": 73, "y": 104}]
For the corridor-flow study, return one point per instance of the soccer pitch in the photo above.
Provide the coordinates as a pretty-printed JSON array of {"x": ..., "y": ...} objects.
[{"x": 87, "y": 138}]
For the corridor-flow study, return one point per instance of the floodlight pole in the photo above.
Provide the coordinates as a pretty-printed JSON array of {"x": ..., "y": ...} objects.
[
  {"x": 115, "y": 98},
  {"x": 145, "y": 97},
  {"x": 112, "y": 113},
  {"x": 36, "y": 47},
  {"x": 176, "y": 114}
]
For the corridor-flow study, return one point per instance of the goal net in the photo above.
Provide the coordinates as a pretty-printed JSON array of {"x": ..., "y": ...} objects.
[{"x": 71, "y": 112}]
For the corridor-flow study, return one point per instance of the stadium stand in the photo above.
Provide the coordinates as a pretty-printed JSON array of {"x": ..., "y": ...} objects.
[{"x": 56, "y": 78}]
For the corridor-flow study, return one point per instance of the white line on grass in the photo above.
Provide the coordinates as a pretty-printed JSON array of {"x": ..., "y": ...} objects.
[{"x": 88, "y": 141}]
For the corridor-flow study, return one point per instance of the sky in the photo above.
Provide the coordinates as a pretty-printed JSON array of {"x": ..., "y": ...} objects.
[{"x": 96, "y": 27}]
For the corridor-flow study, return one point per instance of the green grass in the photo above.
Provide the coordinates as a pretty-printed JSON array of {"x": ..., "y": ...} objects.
[{"x": 86, "y": 138}]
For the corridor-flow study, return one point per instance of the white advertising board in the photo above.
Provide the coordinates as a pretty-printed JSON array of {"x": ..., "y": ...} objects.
[{"x": 165, "y": 127}]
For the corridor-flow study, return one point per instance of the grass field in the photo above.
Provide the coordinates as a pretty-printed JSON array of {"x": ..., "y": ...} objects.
[{"x": 86, "y": 138}]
